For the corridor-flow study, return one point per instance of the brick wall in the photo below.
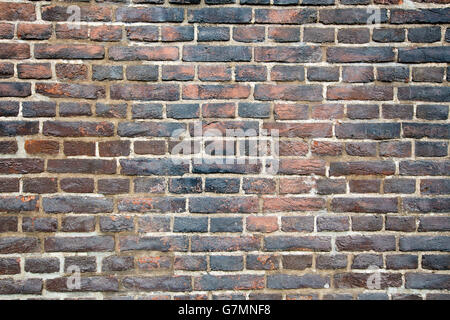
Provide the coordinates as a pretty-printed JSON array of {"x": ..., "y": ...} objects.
[{"x": 92, "y": 91}]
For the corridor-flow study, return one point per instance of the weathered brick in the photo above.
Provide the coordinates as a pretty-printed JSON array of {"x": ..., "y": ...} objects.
[
  {"x": 156, "y": 243},
  {"x": 157, "y": 204},
  {"x": 77, "y": 204},
  {"x": 286, "y": 281},
  {"x": 224, "y": 243},
  {"x": 28, "y": 286},
  {"x": 229, "y": 282}
]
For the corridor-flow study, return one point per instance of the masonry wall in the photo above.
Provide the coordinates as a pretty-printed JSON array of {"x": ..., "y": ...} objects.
[{"x": 357, "y": 89}]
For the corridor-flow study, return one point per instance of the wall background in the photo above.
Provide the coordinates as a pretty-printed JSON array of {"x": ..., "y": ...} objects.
[{"x": 89, "y": 96}]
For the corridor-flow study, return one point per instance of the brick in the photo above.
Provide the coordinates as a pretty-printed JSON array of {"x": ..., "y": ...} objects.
[
  {"x": 395, "y": 149},
  {"x": 34, "y": 71},
  {"x": 71, "y": 71},
  {"x": 69, "y": 31},
  {"x": 367, "y": 223},
  {"x": 19, "y": 245},
  {"x": 9, "y": 266},
  {"x": 386, "y": 35},
  {"x": 178, "y": 33},
  {"x": 426, "y": 205},
  {"x": 28, "y": 31},
  {"x": 154, "y": 224},
  {"x": 431, "y": 149},
  {"x": 226, "y": 263},
  {"x": 79, "y": 244},
  {"x": 393, "y": 74},
  {"x": 210, "y": 33},
  {"x": 361, "y": 280},
  {"x": 332, "y": 224},
  {"x": 228, "y": 282},
  {"x": 363, "y": 243},
  {"x": 78, "y": 224},
  {"x": 222, "y": 185},
  {"x": 220, "y": 15},
  {"x": 208, "y": 53},
  {"x": 406, "y": 224},
  {"x": 300, "y": 54},
  {"x": 318, "y": 35},
  {"x": 142, "y": 14},
  {"x": 338, "y": 261},
  {"x": 399, "y": 186},
  {"x": 297, "y": 262},
  {"x": 367, "y": 261},
  {"x": 287, "y": 73},
  {"x": 101, "y": 73},
  {"x": 9, "y": 185},
  {"x": 286, "y": 281},
  {"x": 345, "y": 92},
  {"x": 142, "y": 33},
  {"x": 77, "y": 204},
  {"x": 151, "y": 204},
  {"x": 361, "y": 149},
  {"x": 402, "y": 16},
  {"x": 223, "y": 204},
  {"x": 425, "y": 130},
  {"x": 106, "y": 33},
  {"x": 14, "y": 50},
  {"x": 284, "y": 34},
  {"x": 11, "y": 89},
  {"x": 428, "y": 74},
  {"x": 28, "y": 286},
  {"x": 288, "y": 92},
  {"x": 39, "y": 224},
  {"x": 224, "y": 243},
  {"x": 436, "y": 262},
  {"x": 249, "y": 34},
  {"x": 11, "y": 11},
  {"x": 41, "y": 147},
  {"x": 324, "y": 148},
  {"x": 423, "y": 54},
  {"x": 250, "y": 73},
  {"x": 136, "y": 53},
  {"x": 190, "y": 263},
  {"x": 292, "y": 204},
  {"x": 85, "y": 264},
  {"x": 432, "y": 112},
  {"x": 351, "y": 55},
  {"x": 78, "y": 148},
  {"x": 304, "y": 243},
  {"x": 87, "y": 284},
  {"x": 157, "y": 243},
  {"x": 434, "y": 224},
  {"x": 226, "y": 224},
  {"x": 427, "y": 281},
  {"x": 174, "y": 73},
  {"x": 357, "y": 74},
  {"x": 354, "y": 35},
  {"x": 6, "y": 30},
  {"x": 424, "y": 243},
  {"x": 18, "y": 203},
  {"x": 42, "y": 265},
  {"x": 190, "y": 224},
  {"x": 9, "y": 108},
  {"x": 117, "y": 263},
  {"x": 95, "y": 166},
  {"x": 285, "y": 16},
  {"x": 349, "y": 16}
]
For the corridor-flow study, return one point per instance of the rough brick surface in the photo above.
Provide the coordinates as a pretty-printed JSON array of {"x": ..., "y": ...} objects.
[{"x": 94, "y": 177}]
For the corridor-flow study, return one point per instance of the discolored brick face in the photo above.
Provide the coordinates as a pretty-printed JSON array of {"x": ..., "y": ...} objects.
[{"x": 95, "y": 176}]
